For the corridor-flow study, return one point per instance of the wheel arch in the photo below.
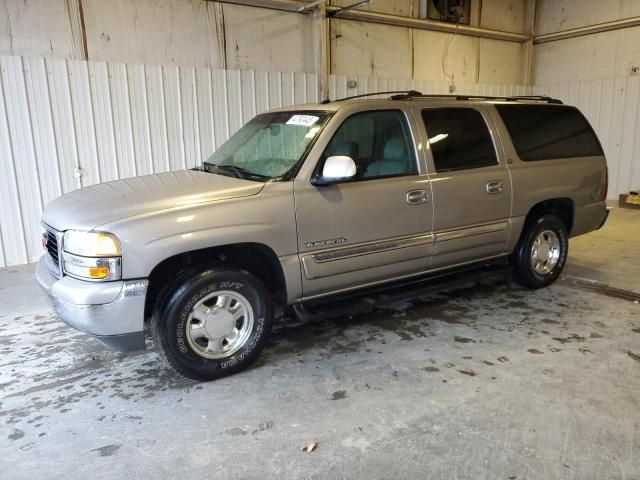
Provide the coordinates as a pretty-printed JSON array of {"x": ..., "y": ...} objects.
[
  {"x": 562, "y": 207},
  {"x": 256, "y": 258}
]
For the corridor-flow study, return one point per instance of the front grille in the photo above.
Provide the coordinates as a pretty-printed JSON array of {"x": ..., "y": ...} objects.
[
  {"x": 52, "y": 248},
  {"x": 52, "y": 244}
]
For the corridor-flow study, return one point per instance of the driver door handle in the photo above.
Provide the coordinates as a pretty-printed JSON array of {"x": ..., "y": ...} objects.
[
  {"x": 416, "y": 197},
  {"x": 495, "y": 186}
]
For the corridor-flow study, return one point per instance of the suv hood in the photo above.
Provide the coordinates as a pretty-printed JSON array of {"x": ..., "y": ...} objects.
[{"x": 90, "y": 207}]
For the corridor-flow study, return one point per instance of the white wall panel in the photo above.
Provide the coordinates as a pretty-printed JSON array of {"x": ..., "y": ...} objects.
[
  {"x": 82, "y": 111},
  {"x": 205, "y": 109},
  {"x": 39, "y": 99},
  {"x": 220, "y": 106},
  {"x": 612, "y": 107},
  {"x": 63, "y": 126},
  {"x": 25, "y": 167},
  {"x": 174, "y": 114},
  {"x": 14, "y": 239},
  {"x": 287, "y": 89},
  {"x": 157, "y": 119},
  {"x": 121, "y": 111},
  {"x": 103, "y": 121},
  {"x": 189, "y": 111},
  {"x": 234, "y": 100},
  {"x": 107, "y": 121},
  {"x": 141, "y": 129}
]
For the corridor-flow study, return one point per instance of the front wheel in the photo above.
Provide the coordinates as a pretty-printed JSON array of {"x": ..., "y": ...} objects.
[
  {"x": 212, "y": 323},
  {"x": 541, "y": 253}
]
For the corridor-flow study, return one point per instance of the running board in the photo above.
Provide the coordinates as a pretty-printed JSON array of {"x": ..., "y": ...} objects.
[{"x": 346, "y": 303}]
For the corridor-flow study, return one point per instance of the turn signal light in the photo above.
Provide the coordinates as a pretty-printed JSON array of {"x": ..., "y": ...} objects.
[
  {"x": 91, "y": 268},
  {"x": 98, "y": 272}
]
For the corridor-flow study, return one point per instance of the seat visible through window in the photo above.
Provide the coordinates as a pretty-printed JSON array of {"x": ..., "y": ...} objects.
[
  {"x": 378, "y": 141},
  {"x": 346, "y": 148},
  {"x": 395, "y": 162}
]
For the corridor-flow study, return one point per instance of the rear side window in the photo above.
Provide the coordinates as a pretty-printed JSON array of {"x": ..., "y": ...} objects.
[
  {"x": 545, "y": 132},
  {"x": 459, "y": 139}
]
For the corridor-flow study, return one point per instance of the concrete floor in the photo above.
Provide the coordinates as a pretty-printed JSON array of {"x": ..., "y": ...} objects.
[
  {"x": 610, "y": 255},
  {"x": 487, "y": 381}
]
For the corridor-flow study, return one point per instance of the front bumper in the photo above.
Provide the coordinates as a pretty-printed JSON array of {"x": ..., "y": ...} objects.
[{"x": 113, "y": 312}]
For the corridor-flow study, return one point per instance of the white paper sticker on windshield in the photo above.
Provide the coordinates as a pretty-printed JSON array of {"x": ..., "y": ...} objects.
[{"x": 303, "y": 120}]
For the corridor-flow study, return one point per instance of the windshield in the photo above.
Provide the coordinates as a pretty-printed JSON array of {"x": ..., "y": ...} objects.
[{"x": 269, "y": 146}]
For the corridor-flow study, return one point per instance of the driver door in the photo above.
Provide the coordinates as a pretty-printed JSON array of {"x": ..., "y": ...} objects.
[{"x": 375, "y": 226}]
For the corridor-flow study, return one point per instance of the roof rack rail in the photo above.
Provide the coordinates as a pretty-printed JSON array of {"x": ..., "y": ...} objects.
[
  {"x": 541, "y": 98},
  {"x": 407, "y": 93}
]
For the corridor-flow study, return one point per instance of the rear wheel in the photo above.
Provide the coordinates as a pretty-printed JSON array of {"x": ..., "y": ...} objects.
[
  {"x": 212, "y": 323},
  {"x": 541, "y": 253}
]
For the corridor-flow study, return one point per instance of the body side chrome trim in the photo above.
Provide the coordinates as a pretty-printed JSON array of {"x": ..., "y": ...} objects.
[
  {"x": 470, "y": 232},
  {"x": 393, "y": 244},
  {"x": 369, "y": 248}
]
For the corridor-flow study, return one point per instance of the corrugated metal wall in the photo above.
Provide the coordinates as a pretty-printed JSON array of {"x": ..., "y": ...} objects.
[
  {"x": 612, "y": 106},
  {"x": 68, "y": 124}
]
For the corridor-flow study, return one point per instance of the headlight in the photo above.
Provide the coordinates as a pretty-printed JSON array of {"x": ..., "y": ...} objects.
[
  {"x": 91, "y": 244},
  {"x": 91, "y": 255}
]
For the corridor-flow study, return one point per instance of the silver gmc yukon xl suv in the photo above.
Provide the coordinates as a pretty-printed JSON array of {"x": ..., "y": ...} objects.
[{"x": 310, "y": 201}]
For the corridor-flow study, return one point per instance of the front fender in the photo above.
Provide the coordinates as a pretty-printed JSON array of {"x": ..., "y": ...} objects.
[{"x": 267, "y": 218}]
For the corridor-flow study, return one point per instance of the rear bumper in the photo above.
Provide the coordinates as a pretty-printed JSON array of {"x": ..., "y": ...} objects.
[
  {"x": 589, "y": 217},
  {"x": 604, "y": 220},
  {"x": 113, "y": 312}
]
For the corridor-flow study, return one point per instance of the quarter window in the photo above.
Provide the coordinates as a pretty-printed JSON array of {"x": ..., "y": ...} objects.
[
  {"x": 544, "y": 132},
  {"x": 378, "y": 141},
  {"x": 459, "y": 139}
]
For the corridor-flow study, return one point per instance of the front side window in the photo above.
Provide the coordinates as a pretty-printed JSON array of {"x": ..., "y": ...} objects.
[
  {"x": 545, "y": 132},
  {"x": 459, "y": 139},
  {"x": 269, "y": 146},
  {"x": 379, "y": 142}
]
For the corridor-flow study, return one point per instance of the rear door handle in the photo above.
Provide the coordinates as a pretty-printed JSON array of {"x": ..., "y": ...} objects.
[
  {"x": 416, "y": 197},
  {"x": 495, "y": 186}
]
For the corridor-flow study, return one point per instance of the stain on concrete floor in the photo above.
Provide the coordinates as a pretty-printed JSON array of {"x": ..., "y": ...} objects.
[
  {"x": 339, "y": 395},
  {"x": 107, "y": 450}
]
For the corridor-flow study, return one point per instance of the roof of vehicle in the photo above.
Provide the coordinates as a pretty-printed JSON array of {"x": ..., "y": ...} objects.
[{"x": 333, "y": 105}]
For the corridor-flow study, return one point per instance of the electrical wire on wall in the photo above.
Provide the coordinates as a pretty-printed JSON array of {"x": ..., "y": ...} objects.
[{"x": 445, "y": 53}]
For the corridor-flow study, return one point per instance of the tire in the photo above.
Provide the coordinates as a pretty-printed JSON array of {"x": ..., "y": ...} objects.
[
  {"x": 212, "y": 323},
  {"x": 541, "y": 252}
]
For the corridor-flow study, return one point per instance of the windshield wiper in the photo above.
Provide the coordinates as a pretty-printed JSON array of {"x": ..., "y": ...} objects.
[{"x": 238, "y": 172}]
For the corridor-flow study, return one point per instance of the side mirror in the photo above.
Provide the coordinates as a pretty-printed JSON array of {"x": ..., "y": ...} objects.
[{"x": 336, "y": 169}]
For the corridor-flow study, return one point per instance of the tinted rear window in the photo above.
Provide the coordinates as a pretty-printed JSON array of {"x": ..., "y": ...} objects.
[
  {"x": 544, "y": 132},
  {"x": 459, "y": 139}
]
